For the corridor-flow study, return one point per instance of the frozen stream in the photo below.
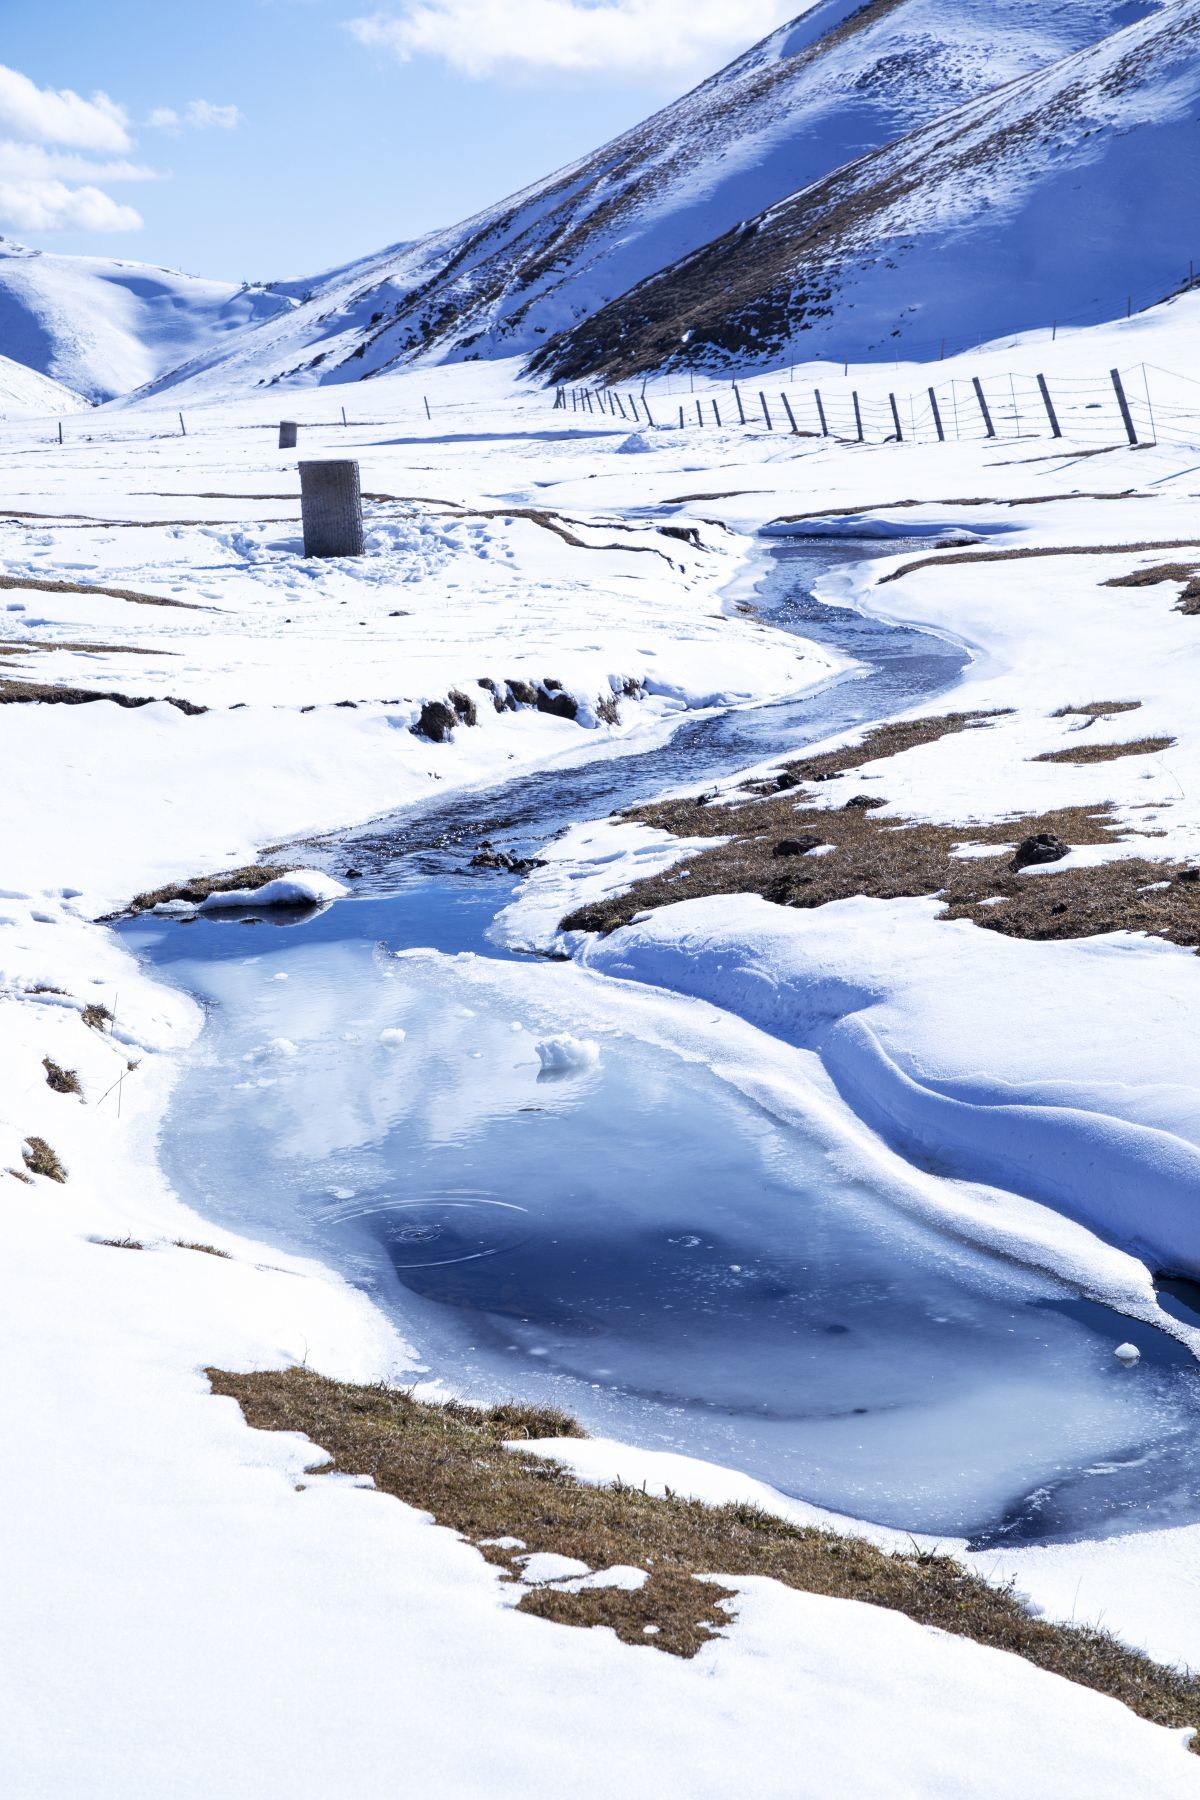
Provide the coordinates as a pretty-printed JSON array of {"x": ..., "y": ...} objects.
[{"x": 634, "y": 1239}]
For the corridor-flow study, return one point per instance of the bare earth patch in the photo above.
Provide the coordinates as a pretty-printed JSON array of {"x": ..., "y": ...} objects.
[
  {"x": 1186, "y": 573},
  {"x": 451, "y": 1462},
  {"x": 253, "y": 875},
  {"x": 1100, "y": 753}
]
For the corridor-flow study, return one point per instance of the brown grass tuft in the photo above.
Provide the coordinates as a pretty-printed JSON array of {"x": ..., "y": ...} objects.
[
  {"x": 451, "y": 1462},
  {"x": 204, "y": 1249},
  {"x": 1096, "y": 709},
  {"x": 63, "y": 1081},
  {"x": 40, "y": 1159},
  {"x": 122, "y": 1243},
  {"x": 97, "y": 1016}
]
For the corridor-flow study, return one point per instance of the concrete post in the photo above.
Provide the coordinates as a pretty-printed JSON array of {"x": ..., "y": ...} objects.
[
  {"x": 331, "y": 503},
  {"x": 287, "y": 434}
]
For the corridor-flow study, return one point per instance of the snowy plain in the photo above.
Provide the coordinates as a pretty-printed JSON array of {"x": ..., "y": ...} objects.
[{"x": 165, "y": 1549}]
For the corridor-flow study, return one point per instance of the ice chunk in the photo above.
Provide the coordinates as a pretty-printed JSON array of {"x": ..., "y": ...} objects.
[
  {"x": 1128, "y": 1354},
  {"x": 565, "y": 1055},
  {"x": 393, "y": 1037}
]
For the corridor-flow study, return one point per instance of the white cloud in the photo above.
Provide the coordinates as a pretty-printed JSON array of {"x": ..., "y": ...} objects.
[
  {"x": 53, "y": 206},
  {"x": 58, "y": 116},
  {"x": 32, "y": 162},
  {"x": 201, "y": 115},
  {"x": 648, "y": 39}
]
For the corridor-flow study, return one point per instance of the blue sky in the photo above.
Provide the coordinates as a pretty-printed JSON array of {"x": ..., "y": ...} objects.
[{"x": 257, "y": 139}]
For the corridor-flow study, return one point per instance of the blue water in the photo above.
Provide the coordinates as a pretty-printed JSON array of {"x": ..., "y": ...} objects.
[{"x": 636, "y": 1241}]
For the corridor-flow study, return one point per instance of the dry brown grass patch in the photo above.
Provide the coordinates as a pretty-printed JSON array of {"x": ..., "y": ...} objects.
[
  {"x": 40, "y": 1159},
  {"x": 946, "y": 559},
  {"x": 204, "y": 1249},
  {"x": 47, "y": 693},
  {"x": 1189, "y": 599},
  {"x": 121, "y": 1243},
  {"x": 1096, "y": 709},
  {"x": 254, "y": 875},
  {"x": 63, "y": 1081},
  {"x": 451, "y": 1462},
  {"x": 1102, "y": 753},
  {"x": 96, "y": 1016}
]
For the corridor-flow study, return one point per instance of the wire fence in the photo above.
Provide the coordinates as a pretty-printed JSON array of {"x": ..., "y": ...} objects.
[{"x": 1142, "y": 405}]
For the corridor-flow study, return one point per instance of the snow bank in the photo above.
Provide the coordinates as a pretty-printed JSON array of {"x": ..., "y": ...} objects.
[
  {"x": 303, "y": 887},
  {"x": 1064, "y": 1071}
]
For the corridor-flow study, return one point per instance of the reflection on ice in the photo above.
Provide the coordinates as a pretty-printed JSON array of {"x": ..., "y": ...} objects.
[{"x": 637, "y": 1242}]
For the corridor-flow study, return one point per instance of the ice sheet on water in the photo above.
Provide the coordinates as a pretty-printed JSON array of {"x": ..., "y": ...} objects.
[{"x": 659, "y": 1256}]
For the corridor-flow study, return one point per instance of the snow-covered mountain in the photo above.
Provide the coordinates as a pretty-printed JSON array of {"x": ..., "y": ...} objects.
[
  {"x": 836, "y": 83},
  {"x": 1060, "y": 192},
  {"x": 104, "y": 327},
  {"x": 24, "y": 392}
]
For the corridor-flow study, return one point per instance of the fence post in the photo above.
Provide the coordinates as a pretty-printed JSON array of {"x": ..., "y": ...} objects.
[
  {"x": 787, "y": 407},
  {"x": 1047, "y": 402},
  {"x": 983, "y": 407},
  {"x": 646, "y": 405},
  {"x": 699, "y": 412},
  {"x": 737, "y": 394},
  {"x": 182, "y": 427},
  {"x": 287, "y": 434},
  {"x": 60, "y": 435},
  {"x": 620, "y": 408},
  {"x": 428, "y": 414},
  {"x": 896, "y": 418},
  {"x": 766, "y": 411},
  {"x": 1123, "y": 403},
  {"x": 345, "y": 420},
  {"x": 821, "y": 412},
  {"x": 937, "y": 417},
  {"x": 716, "y": 413},
  {"x": 633, "y": 404},
  {"x": 681, "y": 418},
  {"x": 857, "y": 415},
  {"x": 331, "y": 505}
]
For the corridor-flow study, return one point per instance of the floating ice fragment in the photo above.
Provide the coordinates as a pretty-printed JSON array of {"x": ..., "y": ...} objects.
[
  {"x": 564, "y": 1054},
  {"x": 393, "y": 1036},
  {"x": 1128, "y": 1354},
  {"x": 279, "y": 1046}
]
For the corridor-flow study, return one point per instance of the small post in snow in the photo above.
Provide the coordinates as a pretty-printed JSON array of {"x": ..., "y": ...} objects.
[
  {"x": 345, "y": 420},
  {"x": 937, "y": 417},
  {"x": 737, "y": 394},
  {"x": 646, "y": 405},
  {"x": 716, "y": 412},
  {"x": 983, "y": 406},
  {"x": 857, "y": 415},
  {"x": 1047, "y": 402},
  {"x": 821, "y": 412},
  {"x": 787, "y": 407},
  {"x": 896, "y": 419},
  {"x": 1122, "y": 402},
  {"x": 699, "y": 412},
  {"x": 681, "y": 418},
  {"x": 633, "y": 404},
  {"x": 331, "y": 504},
  {"x": 182, "y": 427},
  {"x": 428, "y": 414},
  {"x": 287, "y": 434},
  {"x": 60, "y": 435},
  {"x": 766, "y": 411},
  {"x": 620, "y": 408}
]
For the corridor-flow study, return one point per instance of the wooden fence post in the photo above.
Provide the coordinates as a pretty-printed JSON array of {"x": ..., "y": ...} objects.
[
  {"x": 983, "y": 406},
  {"x": 766, "y": 411},
  {"x": 1122, "y": 402},
  {"x": 428, "y": 414},
  {"x": 699, "y": 412},
  {"x": 1047, "y": 402},
  {"x": 787, "y": 407},
  {"x": 633, "y": 404},
  {"x": 857, "y": 415},
  {"x": 182, "y": 426},
  {"x": 896, "y": 418},
  {"x": 737, "y": 394},
  {"x": 821, "y": 412},
  {"x": 646, "y": 407},
  {"x": 937, "y": 417},
  {"x": 716, "y": 413}
]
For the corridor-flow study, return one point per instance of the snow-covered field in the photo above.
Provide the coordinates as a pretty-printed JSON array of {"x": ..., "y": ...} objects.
[{"x": 188, "y": 1614}]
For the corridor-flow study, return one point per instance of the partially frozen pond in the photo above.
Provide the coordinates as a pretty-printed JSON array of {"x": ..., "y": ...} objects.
[{"x": 629, "y": 1236}]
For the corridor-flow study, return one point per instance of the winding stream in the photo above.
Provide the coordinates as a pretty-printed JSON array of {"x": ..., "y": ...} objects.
[{"x": 634, "y": 1239}]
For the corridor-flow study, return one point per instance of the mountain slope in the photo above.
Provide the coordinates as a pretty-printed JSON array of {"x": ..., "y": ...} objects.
[
  {"x": 1063, "y": 190},
  {"x": 23, "y": 392},
  {"x": 104, "y": 327},
  {"x": 840, "y": 81}
]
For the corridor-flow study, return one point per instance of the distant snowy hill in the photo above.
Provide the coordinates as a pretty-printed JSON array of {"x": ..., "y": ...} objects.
[
  {"x": 105, "y": 327},
  {"x": 1052, "y": 197},
  {"x": 24, "y": 392},
  {"x": 838, "y": 82}
]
